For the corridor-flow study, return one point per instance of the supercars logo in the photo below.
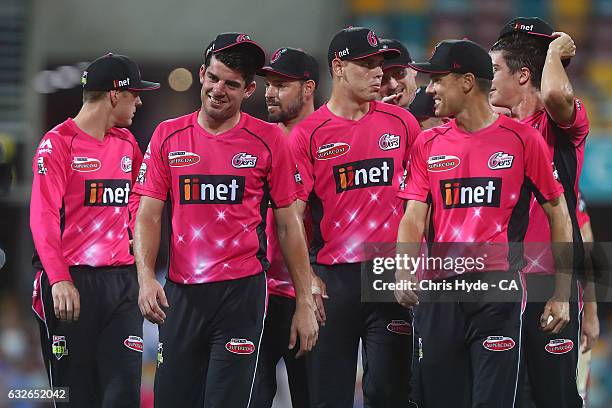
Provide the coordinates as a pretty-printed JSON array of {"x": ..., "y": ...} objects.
[
  {"x": 59, "y": 347},
  {"x": 332, "y": 150},
  {"x": 442, "y": 163},
  {"x": 182, "y": 159},
  {"x": 389, "y": 141},
  {"x": 126, "y": 164},
  {"x": 372, "y": 39},
  {"x": 400, "y": 327},
  {"x": 277, "y": 54},
  {"x": 240, "y": 346},
  {"x": 134, "y": 343},
  {"x": 498, "y": 343},
  {"x": 244, "y": 160},
  {"x": 500, "y": 160},
  {"x": 85, "y": 164},
  {"x": 559, "y": 346}
]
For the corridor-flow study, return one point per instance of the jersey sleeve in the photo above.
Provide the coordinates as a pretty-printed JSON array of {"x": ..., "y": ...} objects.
[
  {"x": 578, "y": 129},
  {"x": 284, "y": 185},
  {"x": 416, "y": 184},
  {"x": 300, "y": 147},
  {"x": 540, "y": 170},
  {"x": 50, "y": 167},
  {"x": 153, "y": 178},
  {"x": 413, "y": 130},
  {"x": 134, "y": 199}
]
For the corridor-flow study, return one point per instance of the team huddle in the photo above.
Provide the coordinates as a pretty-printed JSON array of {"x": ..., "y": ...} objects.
[{"x": 269, "y": 224}]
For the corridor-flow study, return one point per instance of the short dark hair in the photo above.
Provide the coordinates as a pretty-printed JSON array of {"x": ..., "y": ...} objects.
[
  {"x": 524, "y": 50},
  {"x": 93, "y": 96},
  {"x": 243, "y": 61},
  {"x": 484, "y": 85}
]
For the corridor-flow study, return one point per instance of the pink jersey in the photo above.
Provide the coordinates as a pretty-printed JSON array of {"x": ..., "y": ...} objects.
[
  {"x": 219, "y": 187},
  {"x": 566, "y": 147},
  {"x": 351, "y": 171},
  {"x": 81, "y": 210},
  {"x": 480, "y": 183}
]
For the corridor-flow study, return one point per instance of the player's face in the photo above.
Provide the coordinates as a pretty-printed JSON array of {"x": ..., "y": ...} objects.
[
  {"x": 505, "y": 85},
  {"x": 447, "y": 93},
  {"x": 399, "y": 80},
  {"x": 364, "y": 77},
  {"x": 284, "y": 98},
  {"x": 125, "y": 108},
  {"x": 223, "y": 90}
]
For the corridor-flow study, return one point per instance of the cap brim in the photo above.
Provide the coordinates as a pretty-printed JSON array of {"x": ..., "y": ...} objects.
[
  {"x": 262, "y": 54},
  {"x": 269, "y": 70},
  {"x": 394, "y": 64},
  {"x": 145, "y": 86},
  {"x": 427, "y": 68},
  {"x": 387, "y": 53}
]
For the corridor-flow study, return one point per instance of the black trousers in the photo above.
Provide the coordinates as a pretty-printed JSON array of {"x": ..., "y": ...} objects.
[
  {"x": 551, "y": 360},
  {"x": 209, "y": 343},
  {"x": 468, "y": 352},
  {"x": 99, "y": 357},
  {"x": 386, "y": 334},
  {"x": 274, "y": 346}
]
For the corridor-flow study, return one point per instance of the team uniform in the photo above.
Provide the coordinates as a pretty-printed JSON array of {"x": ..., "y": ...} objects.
[
  {"x": 551, "y": 359},
  {"x": 351, "y": 171},
  {"x": 479, "y": 186},
  {"x": 82, "y": 217},
  {"x": 219, "y": 188}
]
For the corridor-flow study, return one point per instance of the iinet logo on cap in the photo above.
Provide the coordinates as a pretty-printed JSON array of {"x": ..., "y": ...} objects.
[
  {"x": 523, "y": 27},
  {"x": 120, "y": 83},
  {"x": 343, "y": 53}
]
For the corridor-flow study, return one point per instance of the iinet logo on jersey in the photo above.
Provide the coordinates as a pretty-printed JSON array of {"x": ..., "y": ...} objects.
[
  {"x": 211, "y": 189},
  {"x": 107, "y": 193},
  {"x": 363, "y": 174},
  {"x": 471, "y": 192}
]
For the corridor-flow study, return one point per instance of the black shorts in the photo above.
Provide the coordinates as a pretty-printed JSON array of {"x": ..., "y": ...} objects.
[
  {"x": 551, "y": 360},
  {"x": 274, "y": 346},
  {"x": 386, "y": 333},
  {"x": 99, "y": 357},
  {"x": 468, "y": 352},
  {"x": 209, "y": 343}
]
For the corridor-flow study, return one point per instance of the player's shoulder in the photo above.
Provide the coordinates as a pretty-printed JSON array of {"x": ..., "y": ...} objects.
[
  {"x": 394, "y": 110},
  {"x": 316, "y": 120},
  {"x": 59, "y": 137},
  {"x": 173, "y": 126},
  {"x": 261, "y": 128},
  {"x": 522, "y": 130},
  {"x": 124, "y": 134}
]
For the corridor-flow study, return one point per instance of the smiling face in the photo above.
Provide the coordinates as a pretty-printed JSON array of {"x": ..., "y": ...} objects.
[
  {"x": 447, "y": 92},
  {"x": 126, "y": 104},
  {"x": 223, "y": 90},
  {"x": 504, "y": 91},
  {"x": 284, "y": 98},
  {"x": 399, "y": 80}
]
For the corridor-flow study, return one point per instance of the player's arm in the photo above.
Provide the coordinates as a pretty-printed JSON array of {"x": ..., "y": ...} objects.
[
  {"x": 292, "y": 240},
  {"x": 48, "y": 187},
  {"x": 146, "y": 246},
  {"x": 134, "y": 199},
  {"x": 556, "y": 311},
  {"x": 590, "y": 320},
  {"x": 556, "y": 88},
  {"x": 409, "y": 237}
]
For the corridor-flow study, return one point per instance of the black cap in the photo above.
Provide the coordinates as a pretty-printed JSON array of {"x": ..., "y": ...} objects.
[
  {"x": 422, "y": 106},
  {"x": 292, "y": 63},
  {"x": 354, "y": 43},
  {"x": 224, "y": 41},
  {"x": 402, "y": 61},
  {"x": 114, "y": 71},
  {"x": 458, "y": 56},
  {"x": 530, "y": 26}
]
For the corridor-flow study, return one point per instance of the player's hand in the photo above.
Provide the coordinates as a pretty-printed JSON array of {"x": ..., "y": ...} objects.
[
  {"x": 66, "y": 301},
  {"x": 150, "y": 297},
  {"x": 555, "y": 316},
  {"x": 563, "y": 45},
  {"x": 392, "y": 99},
  {"x": 590, "y": 330},
  {"x": 305, "y": 326},
  {"x": 319, "y": 292},
  {"x": 407, "y": 298}
]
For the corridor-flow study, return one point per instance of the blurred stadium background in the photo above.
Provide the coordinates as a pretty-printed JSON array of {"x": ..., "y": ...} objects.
[{"x": 44, "y": 46}]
